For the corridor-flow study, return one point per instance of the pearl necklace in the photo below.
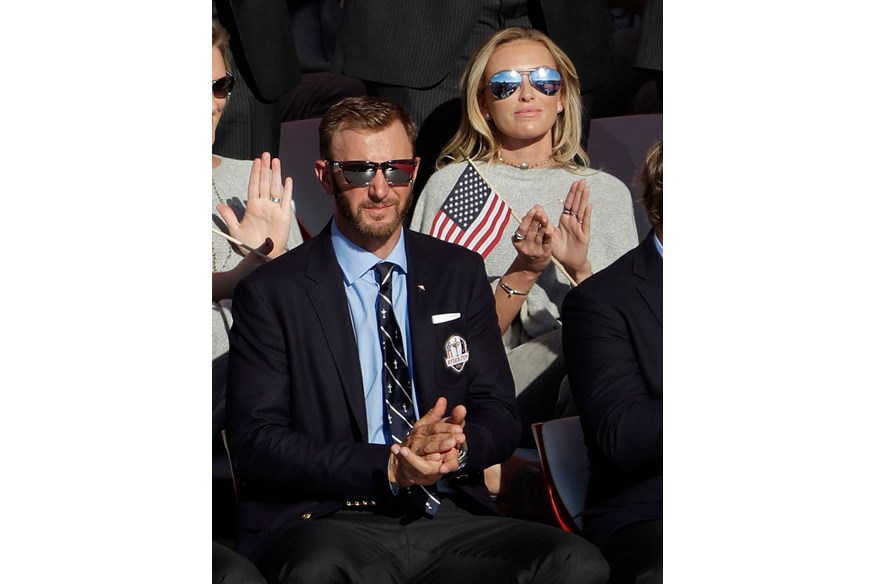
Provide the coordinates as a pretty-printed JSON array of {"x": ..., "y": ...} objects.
[
  {"x": 524, "y": 165},
  {"x": 217, "y": 265}
]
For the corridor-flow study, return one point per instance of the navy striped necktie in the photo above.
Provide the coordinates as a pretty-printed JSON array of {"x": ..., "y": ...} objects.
[{"x": 397, "y": 394}]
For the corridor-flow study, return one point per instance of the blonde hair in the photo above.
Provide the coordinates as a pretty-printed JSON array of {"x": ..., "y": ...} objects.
[
  {"x": 475, "y": 138},
  {"x": 220, "y": 41}
]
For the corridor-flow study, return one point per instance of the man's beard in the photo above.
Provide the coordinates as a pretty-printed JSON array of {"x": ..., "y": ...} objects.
[{"x": 356, "y": 219}]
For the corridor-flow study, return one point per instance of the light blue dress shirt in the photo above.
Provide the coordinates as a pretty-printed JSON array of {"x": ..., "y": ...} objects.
[
  {"x": 361, "y": 287},
  {"x": 658, "y": 244}
]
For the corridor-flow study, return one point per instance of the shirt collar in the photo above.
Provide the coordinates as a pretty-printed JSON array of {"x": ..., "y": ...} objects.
[
  {"x": 355, "y": 262},
  {"x": 658, "y": 244}
]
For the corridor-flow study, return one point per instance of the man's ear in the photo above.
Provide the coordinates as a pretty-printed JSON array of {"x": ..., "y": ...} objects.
[{"x": 324, "y": 175}]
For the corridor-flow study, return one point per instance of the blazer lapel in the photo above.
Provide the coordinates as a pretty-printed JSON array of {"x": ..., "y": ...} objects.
[
  {"x": 648, "y": 266},
  {"x": 420, "y": 290},
  {"x": 330, "y": 302}
]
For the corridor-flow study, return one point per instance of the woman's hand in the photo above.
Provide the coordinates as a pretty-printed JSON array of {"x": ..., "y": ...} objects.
[
  {"x": 263, "y": 217},
  {"x": 532, "y": 240},
  {"x": 534, "y": 250},
  {"x": 570, "y": 241}
]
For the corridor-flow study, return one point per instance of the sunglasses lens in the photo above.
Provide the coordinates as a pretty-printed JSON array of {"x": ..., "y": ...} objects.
[
  {"x": 358, "y": 174},
  {"x": 399, "y": 172},
  {"x": 546, "y": 80},
  {"x": 504, "y": 83},
  {"x": 222, "y": 87}
]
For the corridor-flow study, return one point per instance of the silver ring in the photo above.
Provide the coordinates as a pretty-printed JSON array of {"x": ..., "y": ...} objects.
[
  {"x": 575, "y": 215},
  {"x": 276, "y": 200},
  {"x": 568, "y": 212},
  {"x": 517, "y": 236},
  {"x": 567, "y": 209},
  {"x": 581, "y": 221}
]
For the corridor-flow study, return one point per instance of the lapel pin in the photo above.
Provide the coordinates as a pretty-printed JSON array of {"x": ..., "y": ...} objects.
[{"x": 421, "y": 287}]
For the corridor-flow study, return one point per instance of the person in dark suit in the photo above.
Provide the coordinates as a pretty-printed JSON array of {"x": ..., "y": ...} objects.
[
  {"x": 332, "y": 490},
  {"x": 613, "y": 345}
]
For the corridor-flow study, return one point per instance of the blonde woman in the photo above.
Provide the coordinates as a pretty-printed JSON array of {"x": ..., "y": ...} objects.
[{"x": 521, "y": 127}]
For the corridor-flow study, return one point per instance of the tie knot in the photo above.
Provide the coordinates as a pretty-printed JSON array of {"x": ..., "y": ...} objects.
[{"x": 384, "y": 274}]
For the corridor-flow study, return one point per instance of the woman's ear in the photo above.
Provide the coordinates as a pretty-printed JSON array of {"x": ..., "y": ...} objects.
[{"x": 483, "y": 106}]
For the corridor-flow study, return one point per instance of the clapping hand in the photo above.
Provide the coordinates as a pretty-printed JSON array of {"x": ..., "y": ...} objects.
[
  {"x": 570, "y": 241},
  {"x": 533, "y": 241},
  {"x": 431, "y": 450}
]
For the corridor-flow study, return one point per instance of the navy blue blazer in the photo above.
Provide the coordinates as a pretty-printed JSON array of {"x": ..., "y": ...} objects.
[
  {"x": 613, "y": 346},
  {"x": 296, "y": 405}
]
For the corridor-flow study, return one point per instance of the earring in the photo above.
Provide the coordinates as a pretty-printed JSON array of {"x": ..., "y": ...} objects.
[
  {"x": 487, "y": 115},
  {"x": 559, "y": 108}
]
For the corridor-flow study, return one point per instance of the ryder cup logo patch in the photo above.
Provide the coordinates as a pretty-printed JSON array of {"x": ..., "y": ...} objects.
[{"x": 455, "y": 353}]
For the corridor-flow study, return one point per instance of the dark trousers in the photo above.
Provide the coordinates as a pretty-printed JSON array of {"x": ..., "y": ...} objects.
[
  {"x": 454, "y": 547},
  {"x": 635, "y": 553},
  {"x": 232, "y": 568}
]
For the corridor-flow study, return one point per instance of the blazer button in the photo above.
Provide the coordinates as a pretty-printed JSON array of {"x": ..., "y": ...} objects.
[{"x": 305, "y": 516}]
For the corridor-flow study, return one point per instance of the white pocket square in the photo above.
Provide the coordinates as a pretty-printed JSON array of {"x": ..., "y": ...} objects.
[{"x": 439, "y": 318}]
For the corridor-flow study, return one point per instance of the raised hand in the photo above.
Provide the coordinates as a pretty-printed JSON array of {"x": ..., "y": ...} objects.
[
  {"x": 268, "y": 207},
  {"x": 570, "y": 240}
]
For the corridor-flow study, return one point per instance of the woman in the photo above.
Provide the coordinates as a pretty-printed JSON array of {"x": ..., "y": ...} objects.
[
  {"x": 266, "y": 222},
  {"x": 521, "y": 127}
]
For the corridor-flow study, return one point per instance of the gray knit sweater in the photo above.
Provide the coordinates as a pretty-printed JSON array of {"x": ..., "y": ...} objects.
[{"x": 613, "y": 229}]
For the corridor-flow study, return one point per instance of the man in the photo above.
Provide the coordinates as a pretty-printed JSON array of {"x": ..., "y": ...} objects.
[
  {"x": 613, "y": 345},
  {"x": 332, "y": 492}
]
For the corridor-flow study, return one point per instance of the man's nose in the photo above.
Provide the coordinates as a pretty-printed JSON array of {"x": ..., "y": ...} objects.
[{"x": 379, "y": 188}]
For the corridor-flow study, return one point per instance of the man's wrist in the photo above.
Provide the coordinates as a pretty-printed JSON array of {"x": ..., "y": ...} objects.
[
  {"x": 391, "y": 469},
  {"x": 463, "y": 456}
]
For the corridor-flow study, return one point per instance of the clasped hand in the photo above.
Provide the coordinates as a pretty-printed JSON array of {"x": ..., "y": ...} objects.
[
  {"x": 263, "y": 217},
  {"x": 431, "y": 450}
]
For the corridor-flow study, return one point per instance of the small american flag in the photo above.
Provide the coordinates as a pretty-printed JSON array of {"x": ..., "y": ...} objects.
[{"x": 473, "y": 215}]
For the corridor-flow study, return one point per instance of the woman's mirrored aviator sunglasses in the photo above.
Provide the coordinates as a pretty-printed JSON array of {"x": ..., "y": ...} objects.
[
  {"x": 360, "y": 173},
  {"x": 222, "y": 87},
  {"x": 504, "y": 83}
]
